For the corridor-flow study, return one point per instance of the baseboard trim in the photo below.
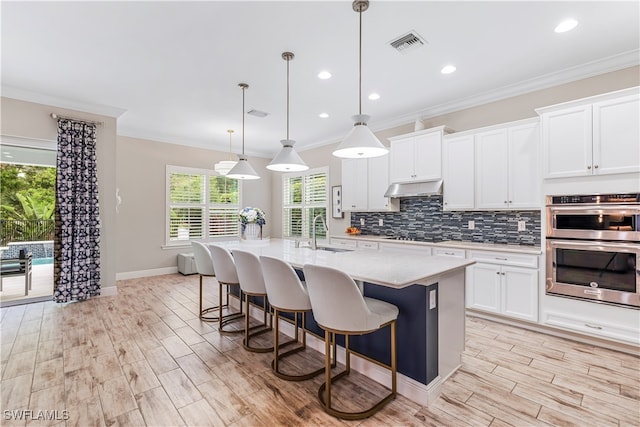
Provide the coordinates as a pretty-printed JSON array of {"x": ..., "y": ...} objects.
[
  {"x": 146, "y": 273},
  {"x": 108, "y": 291},
  {"x": 558, "y": 332}
]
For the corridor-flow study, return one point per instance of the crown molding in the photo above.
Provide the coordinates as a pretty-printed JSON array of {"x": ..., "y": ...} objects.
[
  {"x": 568, "y": 75},
  {"x": 70, "y": 104}
]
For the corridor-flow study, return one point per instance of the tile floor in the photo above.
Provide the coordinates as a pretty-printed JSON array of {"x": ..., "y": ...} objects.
[{"x": 144, "y": 358}]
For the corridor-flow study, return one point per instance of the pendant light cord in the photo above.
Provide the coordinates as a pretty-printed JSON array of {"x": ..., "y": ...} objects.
[
  {"x": 288, "y": 58},
  {"x": 230, "y": 155},
  {"x": 243, "y": 88},
  {"x": 360, "y": 64}
]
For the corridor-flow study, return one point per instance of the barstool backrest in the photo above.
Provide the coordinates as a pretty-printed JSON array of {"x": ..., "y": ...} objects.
[
  {"x": 223, "y": 264},
  {"x": 249, "y": 272},
  {"x": 336, "y": 300},
  {"x": 284, "y": 289},
  {"x": 204, "y": 262}
]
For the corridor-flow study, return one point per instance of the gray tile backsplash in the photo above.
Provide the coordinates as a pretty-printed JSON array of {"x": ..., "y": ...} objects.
[{"x": 422, "y": 219}]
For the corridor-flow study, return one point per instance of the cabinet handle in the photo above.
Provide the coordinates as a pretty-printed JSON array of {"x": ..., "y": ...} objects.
[
  {"x": 448, "y": 253},
  {"x": 503, "y": 273},
  {"x": 498, "y": 273},
  {"x": 510, "y": 201},
  {"x": 502, "y": 259},
  {"x": 446, "y": 203},
  {"x": 588, "y": 167},
  {"x": 505, "y": 202},
  {"x": 595, "y": 166},
  {"x": 592, "y": 326}
]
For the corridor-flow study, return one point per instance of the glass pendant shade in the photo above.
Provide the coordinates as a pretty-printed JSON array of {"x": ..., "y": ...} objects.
[
  {"x": 287, "y": 159},
  {"x": 224, "y": 166},
  {"x": 360, "y": 142},
  {"x": 243, "y": 169}
]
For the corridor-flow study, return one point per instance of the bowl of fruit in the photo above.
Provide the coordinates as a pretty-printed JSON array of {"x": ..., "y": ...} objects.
[{"x": 353, "y": 230}]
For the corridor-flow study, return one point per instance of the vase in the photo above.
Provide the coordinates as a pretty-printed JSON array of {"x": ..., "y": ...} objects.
[{"x": 252, "y": 232}]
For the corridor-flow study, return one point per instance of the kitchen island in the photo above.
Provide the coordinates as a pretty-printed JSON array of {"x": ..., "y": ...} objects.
[{"x": 429, "y": 292}]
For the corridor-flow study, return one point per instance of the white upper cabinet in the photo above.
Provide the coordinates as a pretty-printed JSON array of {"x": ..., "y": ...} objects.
[
  {"x": 416, "y": 156},
  {"x": 592, "y": 136},
  {"x": 616, "y": 135},
  {"x": 458, "y": 172},
  {"x": 354, "y": 184},
  {"x": 507, "y": 168},
  {"x": 364, "y": 182}
]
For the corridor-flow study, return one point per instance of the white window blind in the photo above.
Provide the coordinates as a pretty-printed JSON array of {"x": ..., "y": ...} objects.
[
  {"x": 201, "y": 205},
  {"x": 304, "y": 197}
]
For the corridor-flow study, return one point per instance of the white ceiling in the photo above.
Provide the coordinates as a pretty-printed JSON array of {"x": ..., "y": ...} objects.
[{"x": 171, "y": 69}]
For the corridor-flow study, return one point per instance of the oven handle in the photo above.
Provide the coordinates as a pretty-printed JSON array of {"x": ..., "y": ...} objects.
[
  {"x": 595, "y": 245},
  {"x": 596, "y": 210}
]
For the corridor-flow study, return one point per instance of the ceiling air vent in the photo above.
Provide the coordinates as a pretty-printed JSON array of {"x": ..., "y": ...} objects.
[
  {"x": 407, "y": 42},
  {"x": 257, "y": 113}
]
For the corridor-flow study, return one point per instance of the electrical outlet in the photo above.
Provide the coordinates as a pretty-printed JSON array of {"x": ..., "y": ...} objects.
[
  {"x": 361, "y": 221},
  {"x": 522, "y": 226},
  {"x": 380, "y": 222},
  {"x": 472, "y": 225},
  {"x": 432, "y": 299}
]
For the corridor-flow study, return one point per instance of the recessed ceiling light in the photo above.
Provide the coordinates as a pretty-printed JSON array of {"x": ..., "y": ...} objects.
[
  {"x": 448, "y": 69},
  {"x": 566, "y": 25},
  {"x": 324, "y": 75},
  {"x": 323, "y": 115},
  {"x": 374, "y": 96}
]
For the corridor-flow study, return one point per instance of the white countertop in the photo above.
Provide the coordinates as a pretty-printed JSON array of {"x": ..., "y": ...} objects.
[
  {"x": 383, "y": 268},
  {"x": 523, "y": 249}
]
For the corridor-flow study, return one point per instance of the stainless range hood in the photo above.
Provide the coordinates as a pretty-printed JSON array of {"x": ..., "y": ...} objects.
[{"x": 412, "y": 189}]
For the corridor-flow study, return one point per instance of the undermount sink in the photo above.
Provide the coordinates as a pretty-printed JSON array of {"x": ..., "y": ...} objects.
[{"x": 325, "y": 248}]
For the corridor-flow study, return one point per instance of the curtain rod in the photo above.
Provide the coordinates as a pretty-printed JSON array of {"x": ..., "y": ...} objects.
[{"x": 55, "y": 116}]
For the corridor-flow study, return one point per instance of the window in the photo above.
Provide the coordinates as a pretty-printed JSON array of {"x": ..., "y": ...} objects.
[
  {"x": 201, "y": 205},
  {"x": 304, "y": 197}
]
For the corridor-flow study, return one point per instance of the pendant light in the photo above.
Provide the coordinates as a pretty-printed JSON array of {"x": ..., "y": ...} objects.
[
  {"x": 243, "y": 170},
  {"x": 360, "y": 142},
  {"x": 224, "y": 166},
  {"x": 287, "y": 159}
]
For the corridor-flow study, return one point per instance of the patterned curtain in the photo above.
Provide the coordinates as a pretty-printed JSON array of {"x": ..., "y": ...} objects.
[{"x": 77, "y": 229}]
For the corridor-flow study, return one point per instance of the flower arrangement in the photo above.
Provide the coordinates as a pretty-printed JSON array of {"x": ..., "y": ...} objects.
[{"x": 250, "y": 215}]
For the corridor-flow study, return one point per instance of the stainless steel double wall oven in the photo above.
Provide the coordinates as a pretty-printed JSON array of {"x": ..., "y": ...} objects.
[{"x": 593, "y": 247}]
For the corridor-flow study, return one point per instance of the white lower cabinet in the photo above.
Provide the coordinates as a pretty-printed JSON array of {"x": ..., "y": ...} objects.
[
  {"x": 404, "y": 248},
  {"x": 503, "y": 283},
  {"x": 344, "y": 243},
  {"x": 611, "y": 322}
]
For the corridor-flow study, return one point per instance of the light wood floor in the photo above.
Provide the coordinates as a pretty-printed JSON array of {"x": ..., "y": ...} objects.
[{"x": 144, "y": 358}]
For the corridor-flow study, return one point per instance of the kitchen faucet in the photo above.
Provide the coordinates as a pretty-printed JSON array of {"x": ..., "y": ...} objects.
[{"x": 314, "y": 244}]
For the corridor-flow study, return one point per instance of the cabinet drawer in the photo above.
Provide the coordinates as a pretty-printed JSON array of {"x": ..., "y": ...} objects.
[
  {"x": 406, "y": 248},
  {"x": 505, "y": 258},
  {"x": 344, "y": 243},
  {"x": 593, "y": 327},
  {"x": 364, "y": 244},
  {"x": 458, "y": 253}
]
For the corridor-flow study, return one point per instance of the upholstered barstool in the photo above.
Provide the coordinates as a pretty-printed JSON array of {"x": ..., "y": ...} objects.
[
  {"x": 227, "y": 275},
  {"x": 204, "y": 265},
  {"x": 287, "y": 294},
  {"x": 340, "y": 308},
  {"x": 252, "y": 285}
]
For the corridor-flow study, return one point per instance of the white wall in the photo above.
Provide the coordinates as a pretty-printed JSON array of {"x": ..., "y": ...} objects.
[{"x": 141, "y": 218}]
